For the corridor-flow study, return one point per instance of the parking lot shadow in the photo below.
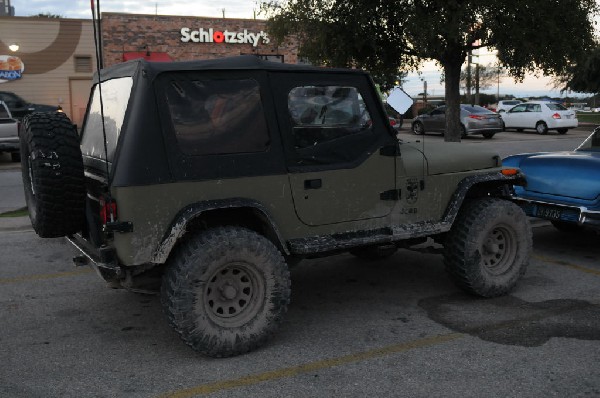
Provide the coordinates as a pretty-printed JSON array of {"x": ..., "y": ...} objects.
[{"x": 511, "y": 321}]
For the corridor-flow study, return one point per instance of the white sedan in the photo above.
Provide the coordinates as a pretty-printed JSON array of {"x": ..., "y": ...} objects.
[{"x": 540, "y": 116}]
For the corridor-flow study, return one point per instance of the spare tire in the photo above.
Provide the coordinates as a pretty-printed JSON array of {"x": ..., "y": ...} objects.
[{"x": 52, "y": 168}]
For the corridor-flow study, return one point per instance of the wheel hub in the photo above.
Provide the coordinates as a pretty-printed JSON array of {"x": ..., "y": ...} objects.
[
  {"x": 228, "y": 292},
  {"x": 232, "y": 293},
  {"x": 499, "y": 250}
]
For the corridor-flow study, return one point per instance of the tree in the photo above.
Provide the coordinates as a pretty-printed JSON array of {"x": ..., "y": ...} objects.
[
  {"x": 47, "y": 15},
  {"x": 382, "y": 36},
  {"x": 583, "y": 76}
]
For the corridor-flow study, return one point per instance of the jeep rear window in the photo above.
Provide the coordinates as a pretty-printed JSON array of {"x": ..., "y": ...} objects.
[
  {"x": 325, "y": 113},
  {"x": 115, "y": 96},
  {"x": 221, "y": 116}
]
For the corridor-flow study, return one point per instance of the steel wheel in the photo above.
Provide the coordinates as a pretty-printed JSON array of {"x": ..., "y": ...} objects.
[
  {"x": 499, "y": 250},
  {"x": 233, "y": 294}
]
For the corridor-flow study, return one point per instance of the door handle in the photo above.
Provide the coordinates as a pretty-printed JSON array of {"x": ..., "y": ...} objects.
[{"x": 313, "y": 184}]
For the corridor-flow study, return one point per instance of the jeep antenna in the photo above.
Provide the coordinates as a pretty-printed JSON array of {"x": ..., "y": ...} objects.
[{"x": 99, "y": 65}]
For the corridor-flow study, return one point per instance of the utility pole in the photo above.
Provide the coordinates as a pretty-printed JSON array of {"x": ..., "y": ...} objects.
[
  {"x": 425, "y": 92},
  {"x": 469, "y": 78},
  {"x": 477, "y": 83},
  {"x": 498, "y": 92}
]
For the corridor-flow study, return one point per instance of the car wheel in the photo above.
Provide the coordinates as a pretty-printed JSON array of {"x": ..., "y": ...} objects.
[
  {"x": 225, "y": 291},
  {"x": 52, "y": 172},
  {"x": 562, "y": 131},
  {"x": 374, "y": 253},
  {"x": 541, "y": 128},
  {"x": 418, "y": 128},
  {"x": 488, "y": 247},
  {"x": 487, "y": 136},
  {"x": 463, "y": 131}
]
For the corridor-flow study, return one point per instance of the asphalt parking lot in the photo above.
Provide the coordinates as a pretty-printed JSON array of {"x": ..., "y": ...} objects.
[
  {"x": 398, "y": 327},
  {"x": 394, "y": 328}
]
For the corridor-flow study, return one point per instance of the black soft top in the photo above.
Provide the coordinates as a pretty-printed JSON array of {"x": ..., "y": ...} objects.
[{"x": 242, "y": 62}]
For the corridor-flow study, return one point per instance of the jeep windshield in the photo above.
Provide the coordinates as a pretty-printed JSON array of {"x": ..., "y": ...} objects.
[{"x": 115, "y": 96}]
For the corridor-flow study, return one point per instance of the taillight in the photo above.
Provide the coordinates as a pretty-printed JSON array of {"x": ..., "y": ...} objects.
[
  {"x": 478, "y": 117},
  {"x": 392, "y": 122},
  {"x": 556, "y": 116},
  {"x": 108, "y": 211}
]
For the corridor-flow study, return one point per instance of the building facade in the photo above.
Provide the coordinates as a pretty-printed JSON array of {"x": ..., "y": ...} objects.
[
  {"x": 126, "y": 36},
  {"x": 55, "y": 59}
]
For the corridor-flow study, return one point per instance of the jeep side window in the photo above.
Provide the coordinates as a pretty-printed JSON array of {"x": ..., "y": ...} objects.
[
  {"x": 221, "y": 116},
  {"x": 115, "y": 97},
  {"x": 325, "y": 113}
]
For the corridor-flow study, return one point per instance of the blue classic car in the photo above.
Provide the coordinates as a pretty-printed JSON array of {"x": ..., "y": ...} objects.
[{"x": 563, "y": 187}]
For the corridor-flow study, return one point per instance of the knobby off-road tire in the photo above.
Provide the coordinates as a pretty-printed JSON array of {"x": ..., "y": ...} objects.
[
  {"x": 226, "y": 291},
  {"x": 52, "y": 169},
  {"x": 488, "y": 247}
]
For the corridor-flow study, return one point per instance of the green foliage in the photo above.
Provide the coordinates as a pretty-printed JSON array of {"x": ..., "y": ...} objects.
[
  {"x": 47, "y": 15},
  {"x": 383, "y": 36},
  {"x": 584, "y": 76}
]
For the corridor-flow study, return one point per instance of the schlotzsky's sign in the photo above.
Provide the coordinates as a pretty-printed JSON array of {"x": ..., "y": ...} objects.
[
  {"x": 11, "y": 68},
  {"x": 223, "y": 36}
]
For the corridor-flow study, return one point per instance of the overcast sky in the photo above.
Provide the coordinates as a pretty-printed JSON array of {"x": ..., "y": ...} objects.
[{"x": 532, "y": 86}]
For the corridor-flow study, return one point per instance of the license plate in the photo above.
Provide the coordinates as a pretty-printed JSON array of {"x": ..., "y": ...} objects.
[{"x": 549, "y": 212}]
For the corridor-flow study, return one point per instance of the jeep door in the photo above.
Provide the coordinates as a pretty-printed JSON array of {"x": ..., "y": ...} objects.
[{"x": 333, "y": 129}]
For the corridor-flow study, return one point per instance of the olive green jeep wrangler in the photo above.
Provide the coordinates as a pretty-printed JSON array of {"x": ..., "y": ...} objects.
[{"x": 206, "y": 180}]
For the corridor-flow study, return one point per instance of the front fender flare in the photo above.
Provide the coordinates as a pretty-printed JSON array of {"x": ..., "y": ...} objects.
[{"x": 494, "y": 178}]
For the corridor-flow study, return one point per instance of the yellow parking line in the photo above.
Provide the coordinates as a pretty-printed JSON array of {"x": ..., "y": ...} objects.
[
  {"x": 567, "y": 264},
  {"x": 37, "y": 277},
  {"x": 311, "y": 367}
]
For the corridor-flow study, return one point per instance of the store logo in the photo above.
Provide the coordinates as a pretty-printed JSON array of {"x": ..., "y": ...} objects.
[
  {"x": 217, "y": 36},
  {"x": 11, "y": 68}
]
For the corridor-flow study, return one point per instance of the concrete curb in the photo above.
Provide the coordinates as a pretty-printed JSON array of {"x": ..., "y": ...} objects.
[{"x": 15, "y": 224}]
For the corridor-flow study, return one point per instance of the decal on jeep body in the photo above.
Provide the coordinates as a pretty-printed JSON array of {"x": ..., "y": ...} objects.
[{"x": 412, "y": 190}]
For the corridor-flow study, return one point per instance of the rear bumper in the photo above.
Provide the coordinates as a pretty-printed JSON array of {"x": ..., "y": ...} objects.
[
  {"x": 102, "y": 259},
  {"x": 580, "y": 215},
  {"x": 9, "y": 144},
  {"x": 562, "y": 123}
]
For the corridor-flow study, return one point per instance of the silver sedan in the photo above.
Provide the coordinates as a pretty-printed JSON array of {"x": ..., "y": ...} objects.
[{"x": 474, "y": 119}]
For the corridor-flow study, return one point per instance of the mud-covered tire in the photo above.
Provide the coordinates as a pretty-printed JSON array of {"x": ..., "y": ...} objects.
[
  {"x": 488, "y": 247},
  {"x": 52, "y": 170},
  {"x": 225, "y": 291},
  {"x": 374, "y": 253}
]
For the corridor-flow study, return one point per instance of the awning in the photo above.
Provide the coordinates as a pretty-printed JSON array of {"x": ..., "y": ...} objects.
[{"x": 147, "y": 55}]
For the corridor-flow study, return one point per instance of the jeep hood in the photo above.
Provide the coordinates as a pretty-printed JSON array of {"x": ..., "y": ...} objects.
[
  {"x": 574, "y": 174},
  {"x": 454, "y": 157}
]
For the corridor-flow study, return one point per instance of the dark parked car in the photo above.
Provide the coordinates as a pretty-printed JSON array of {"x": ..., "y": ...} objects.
[
  {"x": 19, "y": 107},
  {"x": 563, "y": 187},
  {"x": 474, "y": 119}
]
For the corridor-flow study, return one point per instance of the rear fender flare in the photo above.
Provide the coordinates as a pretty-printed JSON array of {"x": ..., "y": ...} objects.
[{"x": 187, "y": 215}]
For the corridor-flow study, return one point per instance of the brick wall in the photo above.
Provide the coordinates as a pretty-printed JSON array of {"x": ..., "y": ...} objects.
[{"x": 162, "y": 33}]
